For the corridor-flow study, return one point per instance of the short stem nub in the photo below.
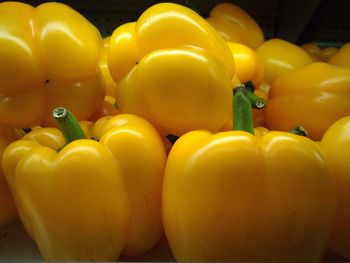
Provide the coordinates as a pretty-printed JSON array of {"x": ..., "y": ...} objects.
[
  {"x": 256, "y": 101},
  {"x": 68, "y": 125}
]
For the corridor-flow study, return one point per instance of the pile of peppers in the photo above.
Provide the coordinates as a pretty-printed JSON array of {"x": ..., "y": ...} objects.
[{"x": 232, "y": 147}]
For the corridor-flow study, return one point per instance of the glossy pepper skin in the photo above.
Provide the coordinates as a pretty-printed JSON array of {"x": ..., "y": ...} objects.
[
  {"x": 279, "y": 57},
  {"x": 336, "y": 145},
  {"x": 8, "y": 210},
  {"x": 49, "y": 57},
  {"x": 177, "y": 90},
  {"x": 163, "y": 25},
  {"x": 108, "y": 81},
  {"x": 248, "y": 64},
  {"x": 236, "y": 25},
  {"x": 232, "y": 196},
  {"x": 313, "y": 96},
  {"x": 94, "y": 199},
  {"x": 123, "y": 52}
]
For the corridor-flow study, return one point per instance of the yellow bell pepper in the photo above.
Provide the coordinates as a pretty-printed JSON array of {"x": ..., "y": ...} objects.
[
  {"x": 248, "y": 65},
  {"x": 177, "y": 90},
  {"x": 123, "y": 53},
  {"x": 279, "y": 57},
  {"x": 313, "y": 96},
  {"x": 49, "y": 56},
  {"x": 163, "y": 25},
  {"x": 8, "y": 210},
  {"x": 173, "y": 69},
  {"x": 108, "y": 81},
  {"x": 342, "y": 57},
  {"x": 336, "y": 145},
  {"x": 233, "y": 196},
  {"x": 93, "y": 199},
  {"x": 236, "y": 25}
]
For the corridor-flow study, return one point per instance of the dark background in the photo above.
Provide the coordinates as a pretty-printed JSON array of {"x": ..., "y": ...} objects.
[{"x": 326, "y": 22}]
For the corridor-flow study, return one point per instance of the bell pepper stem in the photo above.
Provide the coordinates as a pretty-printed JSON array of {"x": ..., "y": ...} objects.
[
  {"x": 68, "y": 125},
  {"x": 256, "y": 101},
  {"x": 300, "y": 130},
  {"x": 242, "y": 110}
]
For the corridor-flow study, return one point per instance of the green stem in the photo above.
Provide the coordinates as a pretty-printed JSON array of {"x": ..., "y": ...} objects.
[
  {"x": 256, "y": 101},
  {"x": 68, "y": 125},
  {"x": 299, "y": 131},
  {"x": 242, "y": 109}
]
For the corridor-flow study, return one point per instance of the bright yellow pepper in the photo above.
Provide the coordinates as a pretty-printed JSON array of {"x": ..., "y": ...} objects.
[
  {"x": 342, "y": 57},
  {"x": 177, "y": 90},
  {"x": 123, "y": 53},
  {"x": 336, "y": 145},
  {"x": 279, "y": 57},
  {"x": 248, "y": 65},
  {"x": 233, "y": 196},
  {"x": 173, "y": 69},
  {"x": 164, "y": 25},
  {"x": 8, "y": 210},
  {"x": 236, "y": 25},
  {"x": 49, "y": 56},
  {"x": 108, "y": 81},
  {"x": 94, "y": 199},
  {"x": 313, "y": 96}
]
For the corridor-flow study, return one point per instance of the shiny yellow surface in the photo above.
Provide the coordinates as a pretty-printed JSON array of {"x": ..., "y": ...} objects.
[
  {"x": 280, "y": 57},
  {"x": 314, "y": 97},
  {"x": 178, "y": 90},
  {"x": 336, "y": 145},
  {"x": 164, "y": 25},
  {"x": 342, "y": 57},
  {"x": 48, "y": 44},
  {"x": 92, "y": 200},
  {"x": 168, "y": 25},
  {"x": 8, "y": 210},
  {"x": 108, "y": 81},
  {"x": 123, "y": 52},
  {"x": 232, "y": 196},
  {"x": 248, "y": 65},
  {"x": 236, "y": 25}
]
